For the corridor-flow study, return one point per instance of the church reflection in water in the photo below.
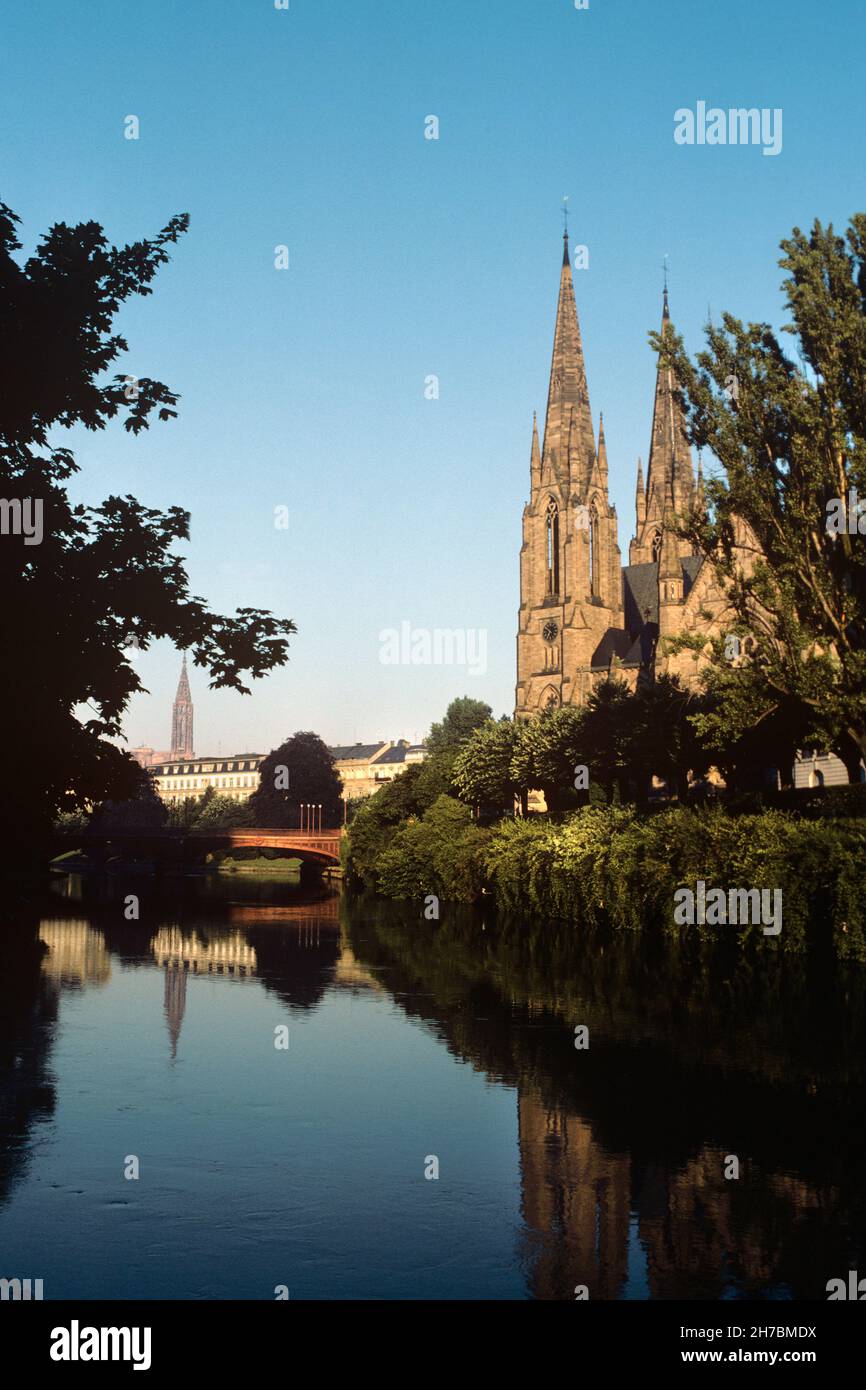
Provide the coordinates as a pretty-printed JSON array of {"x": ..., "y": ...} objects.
[{"x": 622, "y": 1148}]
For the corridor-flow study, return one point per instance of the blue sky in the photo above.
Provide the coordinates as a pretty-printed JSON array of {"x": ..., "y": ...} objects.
[{"x": 408, "y": 257}]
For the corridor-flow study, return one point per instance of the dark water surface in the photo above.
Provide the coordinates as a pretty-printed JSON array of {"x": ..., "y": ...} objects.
[{"x": 411, "y": 1041}]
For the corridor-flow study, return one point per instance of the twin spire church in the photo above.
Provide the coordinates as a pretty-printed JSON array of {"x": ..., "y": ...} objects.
[{"x": 583, "y": 614}]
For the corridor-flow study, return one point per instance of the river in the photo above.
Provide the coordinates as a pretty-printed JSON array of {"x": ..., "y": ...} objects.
[{"x": 258, "y": 1090}]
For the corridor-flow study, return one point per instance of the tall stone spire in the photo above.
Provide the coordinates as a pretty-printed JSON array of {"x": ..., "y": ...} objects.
[
  {"x": 670, "y": 474},
  {"x": 181, "y": 718},
  {"x": 602, "y": 453},
  {"x": 534, "y": 457},
  {"x": 670, "y": 462},
  {"x": 568, "y": 392}
]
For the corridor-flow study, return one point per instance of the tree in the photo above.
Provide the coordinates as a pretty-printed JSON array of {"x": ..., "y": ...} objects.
[
  {"x": 547, "y": 754},
  {"x": 142, "y": 812},
  {"x": 482, "y": 771},
  {"x": 375, "y": 821},
  {"x": 791, "y": 439},
  {"x": 182, "y": 812},
  {"x": 81, "y": 584},
  {"x": 662, "y": 740},
  {"x": 217, "y": 812},
  {"x": 607, "y": 731},
  {"x": 462, "y": 717},
  {"x": 300, "y": 771}
]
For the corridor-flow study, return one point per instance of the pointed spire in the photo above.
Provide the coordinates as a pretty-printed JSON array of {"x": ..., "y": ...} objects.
[
  {"x": 602, "y": 450},
  {"x": 568, "y": 391},
  {"x": 535, "y": 454},
  {"x": 183, "y": 691},
  {"x": 181, "y": 717},
  {"x": 639, "y": 498},
  {"x": 669, "y": 468}
]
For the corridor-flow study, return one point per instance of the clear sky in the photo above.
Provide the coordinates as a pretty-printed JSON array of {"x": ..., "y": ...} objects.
[{"x": 408, "y": 257}]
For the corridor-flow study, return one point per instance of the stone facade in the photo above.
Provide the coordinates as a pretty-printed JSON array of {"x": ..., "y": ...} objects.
[
  {"x": 365, "y": 767},
  {"x": 236, "y": 777},
  {"x": 583, "y": 614}
]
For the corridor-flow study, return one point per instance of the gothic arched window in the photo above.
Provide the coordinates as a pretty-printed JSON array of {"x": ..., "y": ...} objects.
[
  {"x": 593, "y": 550},
  {"x": 552, "y": 547},
  {"x": 656, "y": 544}
]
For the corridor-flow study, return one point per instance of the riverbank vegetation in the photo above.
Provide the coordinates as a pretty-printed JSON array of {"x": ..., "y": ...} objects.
[{"x": 616, "y": 858}]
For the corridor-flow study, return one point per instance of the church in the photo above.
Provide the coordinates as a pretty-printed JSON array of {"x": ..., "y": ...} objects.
[{"x": 584, "y": 615}]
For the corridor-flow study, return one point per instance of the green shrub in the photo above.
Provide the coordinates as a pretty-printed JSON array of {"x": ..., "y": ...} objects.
[{"x": 612, "y": 864}]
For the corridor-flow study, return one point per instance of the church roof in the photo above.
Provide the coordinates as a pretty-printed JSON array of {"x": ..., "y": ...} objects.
[
  {"x": 633, "y": 644},
  {"x": 615, "y": 642},
  {"x": 640, "y": 590}
]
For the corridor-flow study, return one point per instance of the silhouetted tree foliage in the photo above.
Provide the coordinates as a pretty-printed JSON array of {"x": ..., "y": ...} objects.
[
  {"x": 142, "y": 812},
  {"x": 103, "y": 577},
  {"x": 303, "y": 762}
]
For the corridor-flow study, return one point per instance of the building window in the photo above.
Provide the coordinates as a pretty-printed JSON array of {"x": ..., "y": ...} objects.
[
  {"x": 593, "y": 550},
  {"x": 552, "y": 547},
  {"x": 656, "y": 544}
]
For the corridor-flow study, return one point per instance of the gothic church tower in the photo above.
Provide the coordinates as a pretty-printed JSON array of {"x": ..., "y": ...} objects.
[
  {"x": 570, "y": 571},
  {"x": 670, "y": 478},
  {"x": 181, "y": 718}
]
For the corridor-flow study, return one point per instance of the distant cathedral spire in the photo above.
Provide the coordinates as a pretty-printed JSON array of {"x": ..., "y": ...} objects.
[{"x": 181, "y": 718}]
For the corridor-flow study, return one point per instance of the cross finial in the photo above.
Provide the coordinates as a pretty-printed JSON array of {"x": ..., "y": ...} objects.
[
  {"x": 665, "y": 269},
  {"x": 565, "y": 213}
]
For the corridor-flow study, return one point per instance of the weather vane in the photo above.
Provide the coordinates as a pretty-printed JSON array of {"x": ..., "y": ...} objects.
[
  {"x": 665, "y": 269},
  {"x": 565, "y": 213}
]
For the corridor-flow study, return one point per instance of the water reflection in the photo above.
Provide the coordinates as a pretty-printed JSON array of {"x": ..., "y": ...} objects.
[{"x": 604, "y": 1167}]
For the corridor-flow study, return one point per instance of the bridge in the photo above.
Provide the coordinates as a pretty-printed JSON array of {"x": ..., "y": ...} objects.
[{"x": 314, "y": 847}]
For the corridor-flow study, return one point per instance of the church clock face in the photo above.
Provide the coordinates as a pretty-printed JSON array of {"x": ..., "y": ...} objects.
[{"x": 550, "y": 631}]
